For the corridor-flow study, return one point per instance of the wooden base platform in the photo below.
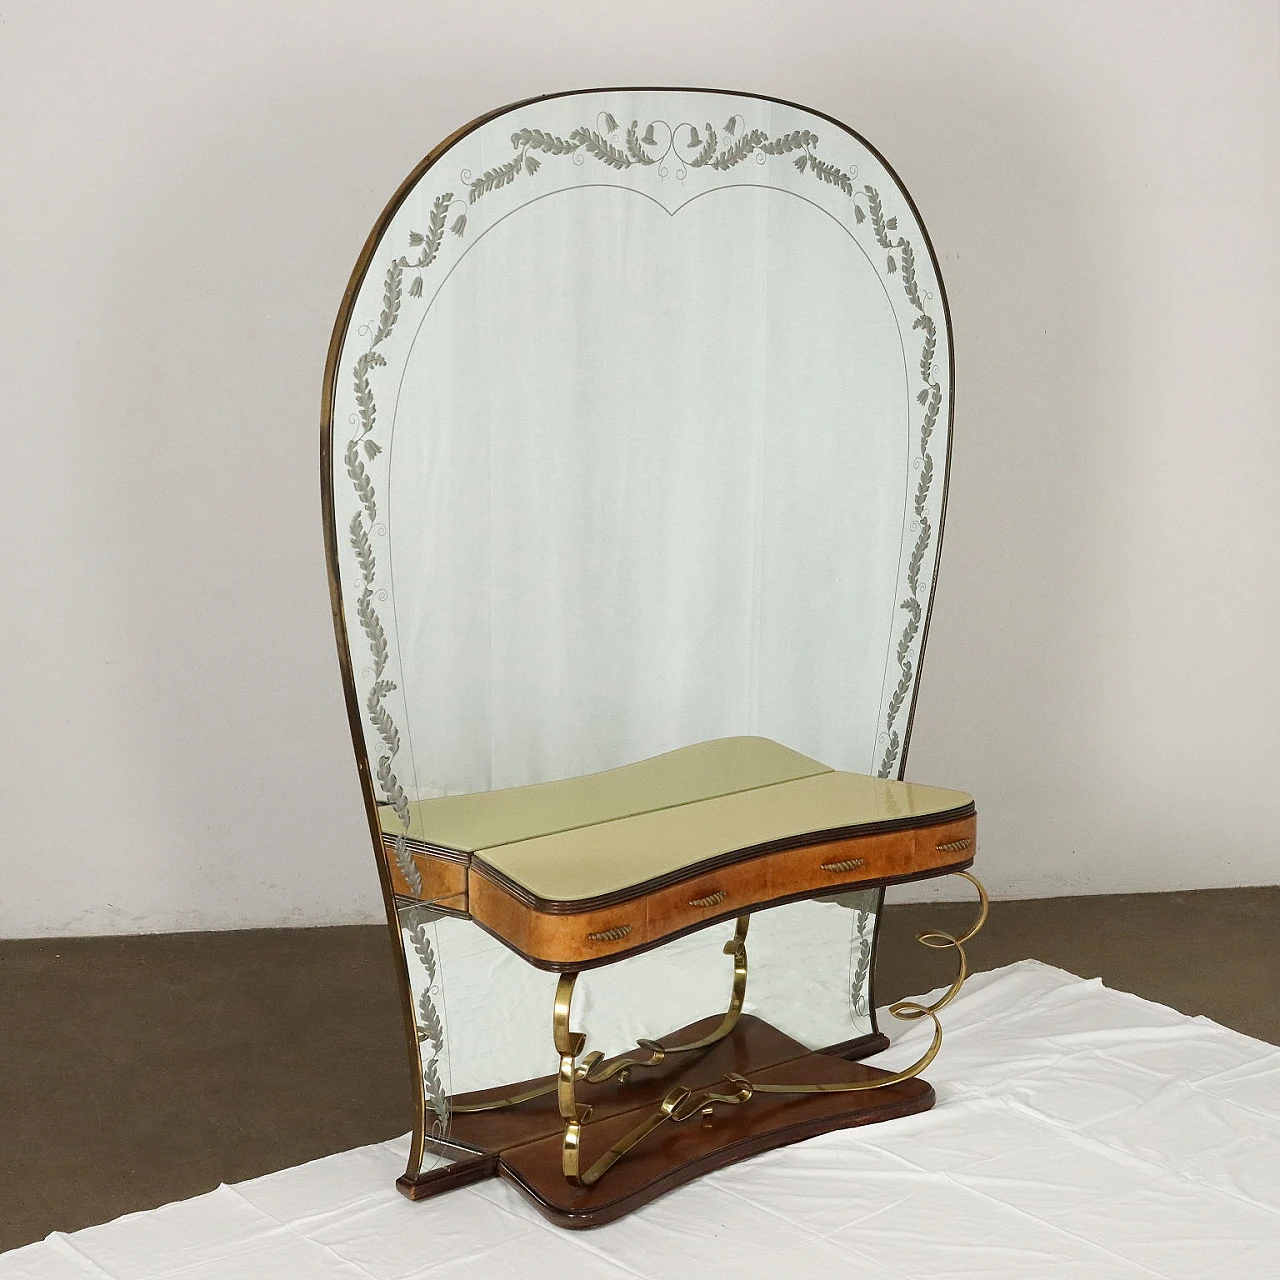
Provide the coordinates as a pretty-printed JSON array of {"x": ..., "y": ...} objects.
[{"x": 523, "y": 1143}]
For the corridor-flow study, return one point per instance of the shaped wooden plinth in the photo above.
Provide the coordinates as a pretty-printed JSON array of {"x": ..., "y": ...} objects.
[{"x": 523, "y": 1143}]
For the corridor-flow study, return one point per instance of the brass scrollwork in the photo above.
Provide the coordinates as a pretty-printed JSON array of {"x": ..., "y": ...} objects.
[
  {"x": 680, "y": 1104},
  {"x": 589, "y": 1069},
  {"x": 910, "y": 1010}
]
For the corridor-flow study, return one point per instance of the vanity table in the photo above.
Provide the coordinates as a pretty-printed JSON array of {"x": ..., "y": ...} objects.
[{"x": 635, "y": 440}]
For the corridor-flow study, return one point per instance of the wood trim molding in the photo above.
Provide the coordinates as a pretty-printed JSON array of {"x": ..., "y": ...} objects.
[
  {"x": 833, "y": 839},
  {"x": 566, "y": 940}
]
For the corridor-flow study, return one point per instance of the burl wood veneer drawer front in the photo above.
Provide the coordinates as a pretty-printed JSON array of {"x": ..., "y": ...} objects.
[
  {"x": 439, "y": 877},
  {"x": 557, "y": 940},
  {"x": 588, "y": 937},
  {"x": 773, "y": 877},
  {"x": 706, "y": 897},
  {"x": 840, "y": 862},
  {"x": 947, "y": 845}
]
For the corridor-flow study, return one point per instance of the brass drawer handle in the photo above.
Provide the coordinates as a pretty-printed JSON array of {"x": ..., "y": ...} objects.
[
  {"x": 711, "y": 900},
  {"x": 849, "y": 864},
  {"x": 953, "y": 846},
  {"x": 616, "y": 934}
]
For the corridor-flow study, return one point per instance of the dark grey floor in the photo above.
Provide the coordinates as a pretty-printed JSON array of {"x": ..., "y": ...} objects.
[{"x": 135, "y": 1071}]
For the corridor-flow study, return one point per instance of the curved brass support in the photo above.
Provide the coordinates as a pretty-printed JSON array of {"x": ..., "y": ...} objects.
[
  {"x": 735, "y": 947},
  {"x": 677, "y": 1106},
  {"x": 621, "y": 1068},
  {"x": 569, "y": 1044},
  {"x": 909, "y": 1010},
  {"x": 681, "y": 1103}
]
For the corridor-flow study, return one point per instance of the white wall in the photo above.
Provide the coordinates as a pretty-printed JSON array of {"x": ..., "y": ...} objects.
[{"x": 184, "y": 192}]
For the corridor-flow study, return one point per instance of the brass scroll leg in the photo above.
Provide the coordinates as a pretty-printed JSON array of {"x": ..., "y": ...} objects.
[
  {"x": 569, "y": 1044},
  {"x": 678, "y": 1105},
  {"x": 589, "y": 1070},
  {"x": 736, "y": 947},
  {"x": 909, "y": 1010}
]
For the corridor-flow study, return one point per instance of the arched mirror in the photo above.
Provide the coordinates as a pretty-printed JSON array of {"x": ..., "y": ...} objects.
[{"x": 636, "y": 431}]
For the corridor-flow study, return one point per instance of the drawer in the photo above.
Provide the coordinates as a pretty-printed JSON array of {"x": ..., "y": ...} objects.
[
  {"x": 947, "y": 845},
  {"x": 840, "y": 862},
  {"x": 566, "y": 939},
  {"x": 707, "y": 897},
  {"x": 439, "y": 877},
  {"x": 557, "y": 939}
]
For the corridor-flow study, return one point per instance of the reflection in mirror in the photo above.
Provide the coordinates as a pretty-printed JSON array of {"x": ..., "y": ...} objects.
[
  {"x": 636, "y": 527},
  {"x": 638, "y": 424},
  {"x": 804, "y": 979}
]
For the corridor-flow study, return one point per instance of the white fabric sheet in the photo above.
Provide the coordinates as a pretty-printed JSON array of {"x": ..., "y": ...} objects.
[{"x": 1079, "y": 1132}]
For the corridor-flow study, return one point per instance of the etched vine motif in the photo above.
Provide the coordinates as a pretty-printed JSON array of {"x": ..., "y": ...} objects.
[
  {"x": 430, "y": 1027},
  {"x": 361, "y": 450},
  {"x": 930, "y": 398},
  {"x": 408, "y": 868},
  {"x": 862, "y": 962},
  {"x": 692, "y": 148}
]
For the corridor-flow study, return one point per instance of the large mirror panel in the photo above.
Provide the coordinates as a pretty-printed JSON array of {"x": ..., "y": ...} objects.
[
  {"x": 637, "y": 426},
  {"x": 645, "y": 488}
]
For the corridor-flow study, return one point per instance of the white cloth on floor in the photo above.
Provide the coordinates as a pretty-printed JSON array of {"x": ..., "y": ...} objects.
[{"x": 1079, "y": 1132}]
